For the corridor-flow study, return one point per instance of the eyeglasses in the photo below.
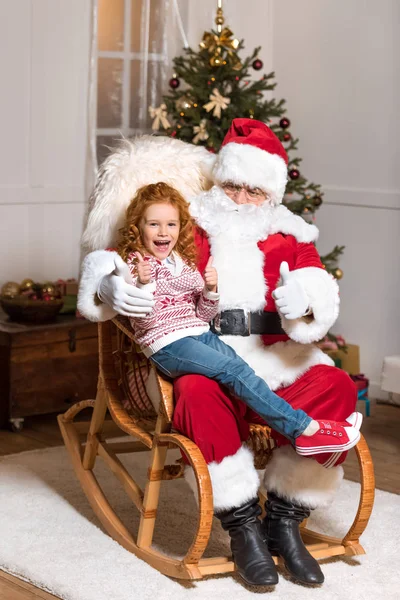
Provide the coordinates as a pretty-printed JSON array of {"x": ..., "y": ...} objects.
[{"x": 251, "y": 193}]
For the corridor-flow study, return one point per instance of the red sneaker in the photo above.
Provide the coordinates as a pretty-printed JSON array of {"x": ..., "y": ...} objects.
[{"x": 331, "y": 437}]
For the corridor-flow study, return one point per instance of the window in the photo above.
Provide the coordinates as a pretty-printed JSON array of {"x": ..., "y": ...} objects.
[{"x": 132, "y": 67}]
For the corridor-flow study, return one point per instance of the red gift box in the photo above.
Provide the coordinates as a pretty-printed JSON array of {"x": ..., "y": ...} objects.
[
  {"x": 67, "y": 287},
  {"x": 361, "y": 381}
]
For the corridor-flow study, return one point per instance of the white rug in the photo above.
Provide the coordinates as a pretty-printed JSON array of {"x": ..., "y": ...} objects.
[{"x": 50, "y": 537}]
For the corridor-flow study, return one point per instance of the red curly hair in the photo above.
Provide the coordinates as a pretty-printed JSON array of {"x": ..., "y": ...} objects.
[{"x": 129, "y": 239}]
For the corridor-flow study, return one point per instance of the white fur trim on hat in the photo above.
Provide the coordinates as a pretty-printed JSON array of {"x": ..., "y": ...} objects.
[
  {"x": 234, "y": 480},
  {"x": 94, "y": 267},
  {"x": 323, "y": 294},
  {"x": 301, "y": 479},
  {"x": 141, "y": 161},
  {"x": 248, "y": 165}
]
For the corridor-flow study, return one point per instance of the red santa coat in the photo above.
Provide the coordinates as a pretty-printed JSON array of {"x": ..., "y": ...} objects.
[
  {"x": 248, "y": 269},
  {"x": 248, "y": 244}
]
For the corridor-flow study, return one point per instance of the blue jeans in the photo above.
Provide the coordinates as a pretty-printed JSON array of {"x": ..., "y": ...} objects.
[{"x": 208, "y": 355}]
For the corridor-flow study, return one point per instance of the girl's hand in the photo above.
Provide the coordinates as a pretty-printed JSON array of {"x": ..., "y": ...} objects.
[
  {"x": 211, "y": 276},
  {"x": 144, "y": 269}
]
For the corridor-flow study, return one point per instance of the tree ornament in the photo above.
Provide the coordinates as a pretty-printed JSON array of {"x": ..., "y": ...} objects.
[
  {"x": 294, "y": 174},
  {"x": 217, "y": 102},
  {"x": 10, "y": 289},
  {"x": 48, "y": 287},
  {"x": 287, "y": 136},
  {"x": 201, "y": 132},
  {"x": 183, "y": 103},
  {"x": 159, "y": 115},
  {"x": 26, "y": 284},
  {"x": 216, "y": 60},
  {"x": 217, "y": 43},
  {"x": 257, "y": 64},
  {"x": 174, "y": 83},
  {"x": 317, "y": 200},
  {"x": 338, "y": 273},
  {"x": 284, "y": 123}
]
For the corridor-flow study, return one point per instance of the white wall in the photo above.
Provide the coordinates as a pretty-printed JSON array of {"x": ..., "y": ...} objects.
[
  {"x": 338, "y": 66},
  {"x": 44, "y": 64}
]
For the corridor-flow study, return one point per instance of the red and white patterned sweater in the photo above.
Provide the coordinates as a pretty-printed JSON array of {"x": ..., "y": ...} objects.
[{"x": 183, "y": 305}]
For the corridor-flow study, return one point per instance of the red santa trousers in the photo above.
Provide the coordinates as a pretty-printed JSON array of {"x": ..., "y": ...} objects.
[{"x": 219, "y": 424}]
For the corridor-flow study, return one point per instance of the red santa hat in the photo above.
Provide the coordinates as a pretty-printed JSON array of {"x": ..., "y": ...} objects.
[{"x": 252, "y": 155}]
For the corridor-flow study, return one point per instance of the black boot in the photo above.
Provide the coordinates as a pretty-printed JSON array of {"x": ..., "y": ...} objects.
[
  {"x": 253, "y": 561},
  {"x": 282, "y": 536}
]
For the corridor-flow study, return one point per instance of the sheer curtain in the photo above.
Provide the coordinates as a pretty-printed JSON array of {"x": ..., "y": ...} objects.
[{"x": 132, "y": 46}]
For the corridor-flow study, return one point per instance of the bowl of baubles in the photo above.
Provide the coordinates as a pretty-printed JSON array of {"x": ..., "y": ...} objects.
[{"x": 31, "y": 302}]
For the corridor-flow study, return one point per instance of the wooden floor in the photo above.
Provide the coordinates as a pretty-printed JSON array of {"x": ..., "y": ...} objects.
[{"x": 381, "y": 430}]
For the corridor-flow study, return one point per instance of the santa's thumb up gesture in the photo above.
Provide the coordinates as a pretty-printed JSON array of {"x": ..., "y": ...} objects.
[
  {"x": 290, "y": 297},
  {"x": 210, "y": 276}
]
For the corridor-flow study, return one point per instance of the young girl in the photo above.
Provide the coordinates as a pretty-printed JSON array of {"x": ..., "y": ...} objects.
[{"x": 157, "y": 242}]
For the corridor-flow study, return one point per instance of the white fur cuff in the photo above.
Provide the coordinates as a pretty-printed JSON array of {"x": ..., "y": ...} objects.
[
  {"x": 301, "y": 479},
  {"x": 323, "y": 293},
  {"x": 234, "y": 480},
  {"x": 94, "y": 267}
]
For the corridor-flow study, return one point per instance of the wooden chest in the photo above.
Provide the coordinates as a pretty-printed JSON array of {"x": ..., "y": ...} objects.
[{"x": 45, "y": 368}]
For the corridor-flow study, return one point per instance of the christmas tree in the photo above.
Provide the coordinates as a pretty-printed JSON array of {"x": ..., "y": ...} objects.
[{"x": 214, "y": 85}]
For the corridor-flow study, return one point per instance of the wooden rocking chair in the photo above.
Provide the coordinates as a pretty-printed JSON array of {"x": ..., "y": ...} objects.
[{"x": 122, "y": 391}]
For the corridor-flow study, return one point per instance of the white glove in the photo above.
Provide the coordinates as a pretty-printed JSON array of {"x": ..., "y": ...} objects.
[
  {"x": 290, "y": 298},
  {"x": 116, "y": 290}
]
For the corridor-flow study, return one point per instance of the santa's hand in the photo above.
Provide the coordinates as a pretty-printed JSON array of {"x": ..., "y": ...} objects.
[
  {"x": 290, "y": 298},
  {"x": 210, "y": 276},
  {"x": 116, "y": 290}
]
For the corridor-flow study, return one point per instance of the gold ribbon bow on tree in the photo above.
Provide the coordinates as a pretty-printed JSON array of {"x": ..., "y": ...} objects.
[
  {"x": 217, "y": 102},
  {"x": 159, "y": 115},
  {"x": 200, "y": 131},
  {"x": 216, "y": 43}
]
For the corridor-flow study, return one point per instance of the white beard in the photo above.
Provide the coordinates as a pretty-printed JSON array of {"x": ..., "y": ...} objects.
[
  {"x": 217, "y": 214},
  {"x": 233, "y": 232}
]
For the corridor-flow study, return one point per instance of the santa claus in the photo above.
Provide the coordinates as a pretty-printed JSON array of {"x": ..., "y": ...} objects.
[{"x": 276, "y": 300}]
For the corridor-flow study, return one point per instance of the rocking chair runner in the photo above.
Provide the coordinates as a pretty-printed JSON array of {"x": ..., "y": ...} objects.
[{"x": 122, "y": 391}]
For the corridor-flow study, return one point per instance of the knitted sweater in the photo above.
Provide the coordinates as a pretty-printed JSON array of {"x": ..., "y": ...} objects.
[{"x": 183, "y": 305}]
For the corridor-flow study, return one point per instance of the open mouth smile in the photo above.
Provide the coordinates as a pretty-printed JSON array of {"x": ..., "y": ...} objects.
[{"x": 162, "y": 244}]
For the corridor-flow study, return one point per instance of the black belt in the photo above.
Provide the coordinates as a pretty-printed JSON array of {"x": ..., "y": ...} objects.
[{"x": 240, "y": 322}]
